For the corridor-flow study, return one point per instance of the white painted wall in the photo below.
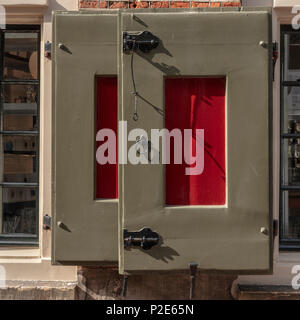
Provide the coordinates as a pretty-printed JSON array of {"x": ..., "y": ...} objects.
[
  {"x": 35, "y": 263},
  {"x": 24, "y": 2},
  {"x": 286, "y": 3}
]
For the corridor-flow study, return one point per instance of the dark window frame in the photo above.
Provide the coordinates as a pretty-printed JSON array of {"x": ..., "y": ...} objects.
[
  {"x": 284, "y": 243},
  {"x": 22, "y": 239}
]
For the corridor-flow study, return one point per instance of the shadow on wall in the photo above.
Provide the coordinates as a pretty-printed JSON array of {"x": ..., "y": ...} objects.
[
  {"x": 257, "y": 3},
  {"x": 55, "y": 6}
]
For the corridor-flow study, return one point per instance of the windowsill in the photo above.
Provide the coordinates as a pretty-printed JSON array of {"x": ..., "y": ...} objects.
[
  {"x": 288, "y": 257},
  {"x": 19, "y": 253},
  {"x": 24, "y": 3},
  {"x": 285, "y": 3}
]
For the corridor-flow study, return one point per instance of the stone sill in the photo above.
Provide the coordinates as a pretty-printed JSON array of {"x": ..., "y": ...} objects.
[
  {"x": 256, "y": 292},
  {"x": 285, "y": 3},
  {"x": 24, "y": 3},
  {"x": 38, "y": 290}
]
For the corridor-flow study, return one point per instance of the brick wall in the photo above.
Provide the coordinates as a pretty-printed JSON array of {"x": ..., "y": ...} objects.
[
  {"x": 102, "y": 4},
  {"x": 96, "y": 283}
]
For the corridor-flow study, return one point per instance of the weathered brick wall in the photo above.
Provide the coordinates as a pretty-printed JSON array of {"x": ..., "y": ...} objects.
[
  {"x": 95, "y": 283},
  {"x": 105, "y": 283},
  {"x": 102, "y": 4}
]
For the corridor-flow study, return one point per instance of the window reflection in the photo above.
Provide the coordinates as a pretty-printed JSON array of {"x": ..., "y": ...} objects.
[
  {"x": 290, "y": 145},
  {"x": 19, "y": 148},
  {"x": 20, "y": 107},
  {"x": 291, "y": 161},
  {"x": 291, "y": 220},
  {"x": 291, "y": 112},
  {"x": 19, "y": 210},
  {"x": 19, "y": 159},
  {"x": 21, "y": 55}
]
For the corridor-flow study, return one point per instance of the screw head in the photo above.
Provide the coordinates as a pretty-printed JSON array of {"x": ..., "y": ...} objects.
[
  {"x": 263, "y": 44},
  {"x": 264, "y": 230}
]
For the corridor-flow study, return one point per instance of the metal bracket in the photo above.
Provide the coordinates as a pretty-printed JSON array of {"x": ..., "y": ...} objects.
[
  {"x": 274, "y": 56},
  {"x": 144, "y": 40},
  {"x": 46, "y": 222},
  {"x": 47, "y": 50},
  {"x": 145, "y": 238},
  {"x": 193, "y": 272},
  {"x": 275, "y": 228}
]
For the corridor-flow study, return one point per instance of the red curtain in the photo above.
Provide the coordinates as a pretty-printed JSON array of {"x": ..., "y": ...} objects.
[
  {"x": 197, "y": 103},
  {"x": 107, "y": 118}
]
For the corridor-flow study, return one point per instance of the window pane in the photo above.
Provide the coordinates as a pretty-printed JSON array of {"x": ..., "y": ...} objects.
[
  {"x": 19, "y": 159},
  {"x": 291, "y": 215},
  {"x": 19, "y": 211},
  {"x": 20, "y": 107},
  {"x": 20, "y": 55},
  {"x": 292, "y": 53},
  {"x": 291, "y": 110},
  {"x": 291, "y": 162}
]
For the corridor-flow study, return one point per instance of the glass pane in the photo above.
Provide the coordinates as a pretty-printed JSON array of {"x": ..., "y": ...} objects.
[
  {"x": 291, "y": 217},
  {"x": 19, "y": 159},
  {"x": 291, "y": 161},
  {"x": 291, "y": 110},
  {"x": 19, "y": 211},
  {"x": 20, "y": 107},
  {"x": 292, "y": 57},
  {"x": 20, "y": 55}
]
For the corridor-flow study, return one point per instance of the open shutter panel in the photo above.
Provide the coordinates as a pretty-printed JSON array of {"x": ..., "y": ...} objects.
[
  {"x": 85, "y": 229},
  {"x": 210, "y": 71}
]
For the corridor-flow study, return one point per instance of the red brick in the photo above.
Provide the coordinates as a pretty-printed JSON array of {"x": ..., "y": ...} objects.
[
  {"x": 118, "y": 5},
  {"x": 88, "y": 4},
  {"x": 159, "y": 4},
  {"x": 138, "y": 4},
  {"x": 231, "y": 4},
  {"x": 215, "y": 4},
  {"x": 179, "y": 4},
  {"x": 102, "y": 4},
  {"x": 154, "y": 4},
  {"x": 199, "y": 4}
]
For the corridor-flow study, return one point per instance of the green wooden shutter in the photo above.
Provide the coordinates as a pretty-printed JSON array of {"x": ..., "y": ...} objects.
[
  {"x": 235, "y": 236},
  {"x": 84, "y": 229}
]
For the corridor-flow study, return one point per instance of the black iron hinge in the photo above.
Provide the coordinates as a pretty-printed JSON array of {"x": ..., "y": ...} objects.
[
  {"x": 145, "y": 238},
  {"x": 144, "y": 40}
]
